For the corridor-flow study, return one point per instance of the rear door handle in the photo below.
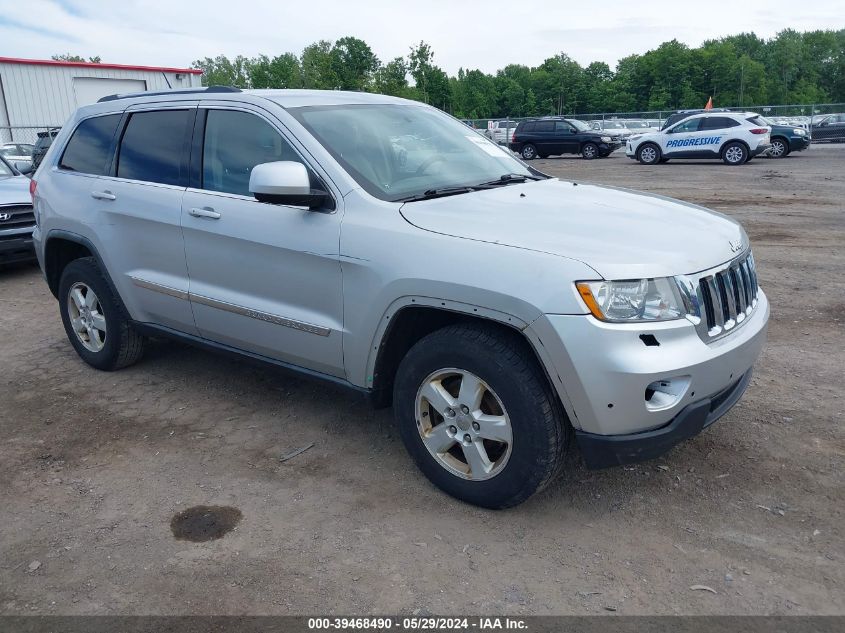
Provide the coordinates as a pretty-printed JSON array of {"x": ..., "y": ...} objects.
[
  {"x": 205, "y": 212},
  {"x": 103, "y": 195}
]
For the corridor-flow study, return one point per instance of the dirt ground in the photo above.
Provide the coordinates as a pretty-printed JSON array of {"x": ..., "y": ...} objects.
[{"x": 94, "y": 466}]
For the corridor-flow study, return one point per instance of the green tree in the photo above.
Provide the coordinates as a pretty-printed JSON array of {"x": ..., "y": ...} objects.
[
  {"x": 392, "y": 78},
  {"x": 353, "y": 63},
  {"x": 67, "y": 57},
  {"x": 317, "y": 68},
  {"x": 221, "y": 71},
  {"x": 283, "y": 71}
]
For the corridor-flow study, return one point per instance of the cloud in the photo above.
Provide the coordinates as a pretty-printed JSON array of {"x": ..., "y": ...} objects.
[{"x": 486, "y": 35}]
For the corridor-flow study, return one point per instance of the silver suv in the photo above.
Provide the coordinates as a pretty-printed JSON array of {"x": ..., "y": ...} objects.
[{"x": 377, "y": 243}]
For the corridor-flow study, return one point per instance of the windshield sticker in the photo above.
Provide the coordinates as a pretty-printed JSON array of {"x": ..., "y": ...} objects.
[
  {"x": 686, "y": 142},
  {"x": 486, "y": 145}
]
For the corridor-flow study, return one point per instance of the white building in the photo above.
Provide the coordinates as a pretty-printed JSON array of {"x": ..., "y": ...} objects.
[{"x": 36, "y": 94}]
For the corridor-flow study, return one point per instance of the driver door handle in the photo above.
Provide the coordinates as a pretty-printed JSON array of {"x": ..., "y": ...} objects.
[
  {"x": 103, "y": 195},
  {"x": 205, "y": 212}
]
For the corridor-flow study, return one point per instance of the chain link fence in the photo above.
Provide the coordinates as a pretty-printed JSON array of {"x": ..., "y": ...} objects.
[{"x": 805, "y": 116}]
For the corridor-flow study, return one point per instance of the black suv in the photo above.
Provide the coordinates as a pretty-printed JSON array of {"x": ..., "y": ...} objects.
[
  {"x": 554, "y": 136},
  {"x": 42, "y": 144}
]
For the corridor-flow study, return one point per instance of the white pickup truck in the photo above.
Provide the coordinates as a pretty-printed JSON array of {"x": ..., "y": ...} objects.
[{"x": 500, "y": 131}]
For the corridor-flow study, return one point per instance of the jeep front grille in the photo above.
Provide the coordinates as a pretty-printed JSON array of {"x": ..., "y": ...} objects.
[{"x": 727, "y": 297}]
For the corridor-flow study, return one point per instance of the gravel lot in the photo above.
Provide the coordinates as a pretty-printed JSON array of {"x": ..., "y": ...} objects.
[{"x": 94, "y": 466}]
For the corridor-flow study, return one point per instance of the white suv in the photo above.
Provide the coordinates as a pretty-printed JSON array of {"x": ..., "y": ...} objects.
[{"x": 735, "y": 137}]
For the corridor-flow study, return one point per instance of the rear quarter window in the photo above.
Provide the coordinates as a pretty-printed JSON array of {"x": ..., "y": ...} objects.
[{"x": 87, "y": 151}]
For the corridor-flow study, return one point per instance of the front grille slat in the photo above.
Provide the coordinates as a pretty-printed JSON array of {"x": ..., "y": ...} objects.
[
  {"x": 728, "y": 297},
  {"x": 21, "y": 216}
]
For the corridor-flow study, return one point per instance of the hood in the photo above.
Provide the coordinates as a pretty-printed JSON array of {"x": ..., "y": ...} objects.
[
  {"x": 14, "y": 190},
  {"x": 621, "y": 234}
]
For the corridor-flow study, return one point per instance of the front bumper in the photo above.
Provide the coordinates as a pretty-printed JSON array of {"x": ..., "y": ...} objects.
[
  {"x": 604, "y": 371},
  {"x": 799, "y": 143},
  {"x": 16, "y": 249},
  {"x": 604, "y": 451}
]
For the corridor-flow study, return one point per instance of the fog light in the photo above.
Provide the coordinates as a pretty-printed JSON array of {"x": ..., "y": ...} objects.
[{"x": 666, "y": 393}]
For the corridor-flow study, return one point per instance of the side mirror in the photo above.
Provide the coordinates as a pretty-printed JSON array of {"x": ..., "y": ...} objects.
[
  {"x": 24, "y": 168},
  {"x": 572, "y": 130},
  {"x": 288, "y": 183}
]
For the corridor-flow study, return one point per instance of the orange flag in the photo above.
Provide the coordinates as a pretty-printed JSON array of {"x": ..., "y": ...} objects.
[{"x": 709, "y": 105}]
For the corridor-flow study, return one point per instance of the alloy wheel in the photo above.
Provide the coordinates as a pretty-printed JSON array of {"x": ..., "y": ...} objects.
[
  {"x": 463, "y": 424},
  {"x": 86, "y": 317},
  {"x": 735, "y": 154},
  {"x": 648, "y": 154}
]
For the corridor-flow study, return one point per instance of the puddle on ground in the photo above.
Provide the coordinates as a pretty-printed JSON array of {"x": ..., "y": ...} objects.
[{"x": 204, "y": 523}]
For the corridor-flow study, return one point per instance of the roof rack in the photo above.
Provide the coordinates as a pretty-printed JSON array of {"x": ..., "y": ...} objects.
[{"x": 187, "y": 91}]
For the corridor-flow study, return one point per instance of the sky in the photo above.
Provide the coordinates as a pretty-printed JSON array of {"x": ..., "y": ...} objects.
[{"x": 486, "y": 35}]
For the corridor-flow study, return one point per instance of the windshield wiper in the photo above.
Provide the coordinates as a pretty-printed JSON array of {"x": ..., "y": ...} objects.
[
  {"x": 507, "y": 179},
  {"x": 439, "y": 193}
]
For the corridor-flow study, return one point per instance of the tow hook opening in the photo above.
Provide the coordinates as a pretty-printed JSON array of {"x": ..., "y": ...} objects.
[
  {"x": 649, "y": 340},
  {"x": 666, "y": 393}
]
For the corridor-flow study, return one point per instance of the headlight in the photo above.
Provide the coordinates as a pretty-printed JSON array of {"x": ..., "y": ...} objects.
[
  {"x": 633, "y": 300},
  {"x": 605, "y": 139},
  {"x": 799, "y": 131}
]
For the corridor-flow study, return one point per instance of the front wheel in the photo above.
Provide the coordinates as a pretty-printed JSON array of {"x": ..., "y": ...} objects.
[
  {"x": 478, "y": 416},
  {"x": 734, "y": 154},
  {"x": 648, "y": 154},
  {"x": 780, "y": 148},
  {"x": 529, "y": 152},
  {"x": 590, "y": 151},
  {"x": 94, "y": 319}
]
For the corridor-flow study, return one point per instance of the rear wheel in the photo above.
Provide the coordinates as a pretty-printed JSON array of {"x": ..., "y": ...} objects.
[
  {"x": 94, "y": 320},
  {"x": 529, "y": 152},
  {"x": 735, "y": 154},
  {"x": 648, "y": 154},
  {"x": 590, "y": 151},
  {"x": 478, "y": 416},
  {"x": 780, "y": 148}
]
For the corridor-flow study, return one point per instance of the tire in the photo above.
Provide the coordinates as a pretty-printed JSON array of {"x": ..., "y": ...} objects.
[
  {"x": 780, "y": 148},
  {"x": 117, "y": 344},
  {"x": 735, "y": 153},
  {"x": 514, "y": 390},
  {"x": 648, "y": 154},
  {"x": 529, "y": 152},
  {"x": 590, "y": 151}
]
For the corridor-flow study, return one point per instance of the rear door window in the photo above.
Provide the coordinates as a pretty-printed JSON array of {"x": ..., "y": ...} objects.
[
  {"x": 87, "y": 151},
  {"x": 718, "y": 123},
  {"x": 545, "y": 126},
  {"x": 153, "y": 148}
]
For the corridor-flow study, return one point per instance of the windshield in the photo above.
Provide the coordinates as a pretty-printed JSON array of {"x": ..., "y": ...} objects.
[
  {"x": 579, "y": 125},
  {"x": 613, "y": 125},
  {"x": 637, "y": 125},
  {"x": 399, "y": 151},
  {"x": 5, "y": 170}
]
